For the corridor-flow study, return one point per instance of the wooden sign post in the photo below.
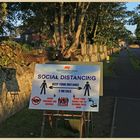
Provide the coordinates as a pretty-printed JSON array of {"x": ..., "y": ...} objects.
[{"x": 53, "y": 115}]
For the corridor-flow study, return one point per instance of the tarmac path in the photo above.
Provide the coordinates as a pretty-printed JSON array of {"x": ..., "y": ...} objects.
[{"x": 126, "y": 90}]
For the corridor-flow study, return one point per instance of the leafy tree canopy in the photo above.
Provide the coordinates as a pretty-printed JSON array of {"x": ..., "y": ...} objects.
[{"x": 69, "y": 24}]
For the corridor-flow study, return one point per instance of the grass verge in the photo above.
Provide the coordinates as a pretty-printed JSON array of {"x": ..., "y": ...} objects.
[
  {"x": 134, "y": 60},
  {"x": 108, "y": 68},
  {"x": 27, "y": 124},
  {"x": 23, "y": 124}
]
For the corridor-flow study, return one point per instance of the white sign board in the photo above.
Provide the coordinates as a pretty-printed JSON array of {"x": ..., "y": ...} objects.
[{"x": 72, "y": 87}]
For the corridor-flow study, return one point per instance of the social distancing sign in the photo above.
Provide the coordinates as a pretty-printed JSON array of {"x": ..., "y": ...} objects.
[{"x": 63, "y": 86}]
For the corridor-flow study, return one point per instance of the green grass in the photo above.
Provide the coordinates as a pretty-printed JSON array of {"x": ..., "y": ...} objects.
[
  {"x": 108, "y": 68},
  {"x": 135, "y": 61},
  {"x": 27, "y": 124}
]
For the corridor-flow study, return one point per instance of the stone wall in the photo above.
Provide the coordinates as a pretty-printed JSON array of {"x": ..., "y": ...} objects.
[
  {"x": 90, "y": 53},
  {"x": 134, "y": 46},
  {"x": 16, "y": 74},
  {"x": 15, "y": 89}
]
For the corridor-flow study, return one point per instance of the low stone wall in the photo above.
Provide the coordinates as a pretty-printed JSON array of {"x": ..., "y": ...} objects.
[
  {"x": 15, "y": 89},
  {"x": 134, "y": 46},
  {"x": 90, "y": 53},
  {"x": 102, "y": 56}
]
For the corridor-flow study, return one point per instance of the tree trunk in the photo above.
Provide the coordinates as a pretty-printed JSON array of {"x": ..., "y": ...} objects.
[
  {"x": 73, "y": 20},
  {"x": 85, "y": 34},
  {"x": 56, "y": 31},
  {"x": 75, "y": 44},
  {"x": 94, "y": 29},
  {"x": 61, "y": 27}
]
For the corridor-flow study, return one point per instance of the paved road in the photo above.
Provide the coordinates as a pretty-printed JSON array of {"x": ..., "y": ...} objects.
[
  {"x": 127, "y": 82},
  {"x": 126, "y": 118},
  {"x": 126, "y": 88}
]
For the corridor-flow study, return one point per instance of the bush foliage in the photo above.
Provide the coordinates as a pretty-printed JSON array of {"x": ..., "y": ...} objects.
[{"x": 14, "y": 44}]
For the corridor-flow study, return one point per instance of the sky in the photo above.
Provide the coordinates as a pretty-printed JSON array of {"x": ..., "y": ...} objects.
[{"x": 132, "y": 6}]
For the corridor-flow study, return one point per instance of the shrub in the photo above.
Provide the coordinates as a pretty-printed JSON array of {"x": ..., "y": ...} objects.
[
  {"x": 26, "y": 47},
  {"x": 4, "y": 61},
  {"x": 14, "y": 44}
]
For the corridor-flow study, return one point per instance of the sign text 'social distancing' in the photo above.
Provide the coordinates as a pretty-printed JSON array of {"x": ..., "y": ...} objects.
[{"x": 70, "y": 87}]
